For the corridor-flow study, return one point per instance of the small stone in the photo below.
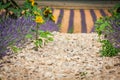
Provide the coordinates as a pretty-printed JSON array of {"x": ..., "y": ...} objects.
[
  {"x": 118, "y": 73},
  {"x": 117, "y": 64},
  {"x": 67, "y": 71},
  {"x": 112, "y": 71},
  {"x": 48, "y": 74},
  {"x": 42, "y": 63},
  {"x": 92, "y": 72},
  {"x": 108, "y": 67},
  {"x": 77, "y": 74},
  {"x": 61, "y": 75},
  {"x": 49, "y": 62}
]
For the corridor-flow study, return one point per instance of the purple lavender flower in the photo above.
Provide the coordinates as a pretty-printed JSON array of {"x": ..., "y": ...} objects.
[
  {"x": 13, "y": 31},
  {"x": 49, "y": 26},
  {"x": 113, "y": 31}
]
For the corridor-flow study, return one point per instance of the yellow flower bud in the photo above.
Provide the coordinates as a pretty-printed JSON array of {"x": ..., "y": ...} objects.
[{"x": 36, "y": 13}]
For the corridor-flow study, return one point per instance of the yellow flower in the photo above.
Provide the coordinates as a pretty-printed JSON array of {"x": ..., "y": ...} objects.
[
  {"x": 39, "y": 19},
  {"x": 47, "y": 11},
  {"x": 50, "y": 11},
  {"x": 36, "y": 13},
  {"x": 32, "y": 2},
  {"x": 53, "y": 18}
]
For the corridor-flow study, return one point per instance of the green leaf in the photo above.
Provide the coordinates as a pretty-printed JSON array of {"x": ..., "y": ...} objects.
[
  {"x": 15, "y": 49},
  {"x": 40, "y": 31},
  {"x": 28, "y": 36},
  {"x": 50, "y": 39},
  {"x": 4, "y": 6},
  {"x": 38, "y": 43}
]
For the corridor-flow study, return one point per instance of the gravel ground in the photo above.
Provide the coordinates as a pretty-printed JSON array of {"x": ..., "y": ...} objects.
[{"x": 68, "y": 57}]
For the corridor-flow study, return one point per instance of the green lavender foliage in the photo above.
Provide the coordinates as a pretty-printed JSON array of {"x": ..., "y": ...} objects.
[
  {"x": 108, "y": 49},
  {"x": 109, "y": 27},
  {"x": 15, "y": 49}
]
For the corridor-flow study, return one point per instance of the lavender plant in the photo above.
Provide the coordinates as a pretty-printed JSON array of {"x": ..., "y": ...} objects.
[
  {"x": 49, "y": 26},
  {"x": 12, "y": 32},
  {"x": 110, "y": 28}
]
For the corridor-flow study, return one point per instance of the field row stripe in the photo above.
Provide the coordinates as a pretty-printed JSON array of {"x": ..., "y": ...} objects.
[{"x": 79, "y": 20}]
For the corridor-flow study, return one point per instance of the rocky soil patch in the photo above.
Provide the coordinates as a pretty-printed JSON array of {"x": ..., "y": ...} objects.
[{"x": 68, "y": 57}]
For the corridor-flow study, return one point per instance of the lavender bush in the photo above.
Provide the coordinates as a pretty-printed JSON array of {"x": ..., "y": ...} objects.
[
  {"x": 13, "y": 31},
  {"x": 110, "y": 28},
  {"x": 49, "y": 26},
  {"x": 113, "y": 35},
  {"x": 112, "y": 31}
]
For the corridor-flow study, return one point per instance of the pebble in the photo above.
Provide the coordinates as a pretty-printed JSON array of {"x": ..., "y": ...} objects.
[{"x": 65, "y": 58}]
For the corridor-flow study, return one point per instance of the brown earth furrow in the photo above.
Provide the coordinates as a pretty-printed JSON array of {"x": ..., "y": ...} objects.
[
  {"x": 98, "y": 15},
  {"x": 89, "y": 21},
  {"x": 65, "y": 21},
  {"x": 77, "y": 21},
  {"x": 107, "y": 12}
]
